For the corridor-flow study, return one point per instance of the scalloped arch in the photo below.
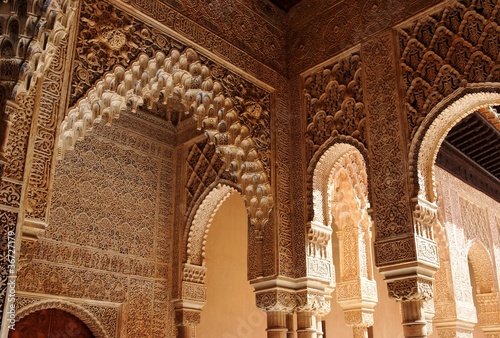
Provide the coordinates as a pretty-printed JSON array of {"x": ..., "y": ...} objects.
[
  {"x": 83, "y": 314},
  {"x": 202, "y": 220},
  {"x": 178, "y": 80},
  {"x": 331, "y": 154},
  {"x": 431, "y": 133}
]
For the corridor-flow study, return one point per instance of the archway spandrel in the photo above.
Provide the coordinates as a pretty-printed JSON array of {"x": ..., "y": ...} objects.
[
  {"x": 439, "y": 55},
  {"x": 334, "y": 103}
]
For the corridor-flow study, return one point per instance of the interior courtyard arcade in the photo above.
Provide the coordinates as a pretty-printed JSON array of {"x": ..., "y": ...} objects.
[{"x": 249, "y": 168}]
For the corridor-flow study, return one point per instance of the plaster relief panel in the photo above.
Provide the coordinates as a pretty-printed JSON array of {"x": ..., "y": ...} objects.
[{"x": 110, "y": 230}]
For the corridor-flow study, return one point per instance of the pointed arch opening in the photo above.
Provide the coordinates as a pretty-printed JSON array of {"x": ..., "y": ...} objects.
[
  {"x": 431, "y": 133},
  {"x": 341, "y": 204},
  {"x": 484, "y": 294}
]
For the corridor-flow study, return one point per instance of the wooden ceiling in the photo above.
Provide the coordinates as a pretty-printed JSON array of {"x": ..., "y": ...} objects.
[
  {"x": 285, "y": 5},
  {"x": 471, "y": 151}
]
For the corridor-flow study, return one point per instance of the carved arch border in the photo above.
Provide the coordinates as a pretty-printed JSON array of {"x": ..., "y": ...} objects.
[
  {"x": 81, "y": 313},
  {"x": 431, "y": 133},
  {"x": 198, "y": 225},
  {"x": 323, "y": 163},
  {"x": 481, "y": 261}
]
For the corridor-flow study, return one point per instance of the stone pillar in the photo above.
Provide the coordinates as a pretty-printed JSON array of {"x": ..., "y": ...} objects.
[
  {"x": 290, "y": 323},
  {"x": 186, "y": 320},
  {"x": 412, "y": 293},
  {"x": 277, "y": 324},
  {"x": 192, "y": 299},
  {"x": 414, "y": 323},
  {"x": 306, "y": 324},
  {"x": 319, "y": 328},
  {"x": 279, "y": 303},
  {"x": 360, "y": 332},
  {"x": 358, "y": 299}
]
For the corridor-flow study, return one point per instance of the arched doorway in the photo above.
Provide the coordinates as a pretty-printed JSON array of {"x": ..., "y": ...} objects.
[
  {"x": 230, "y": 310},
  {"x": 50, "y": 323}
]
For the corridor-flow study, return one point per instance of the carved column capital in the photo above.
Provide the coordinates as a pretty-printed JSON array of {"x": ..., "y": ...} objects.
[
  {"x": 187, "y": 317},
  {"x": 314, "y": 302},
  {"x": 276, "y": 300},
  {"x": 410, "y": 289},
  {"x": 359, "y": 317}
]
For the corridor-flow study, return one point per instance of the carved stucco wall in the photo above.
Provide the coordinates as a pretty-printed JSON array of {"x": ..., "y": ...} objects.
[
  {"x": 109, "y": 237},
  {"x": 470, "y": 220}
]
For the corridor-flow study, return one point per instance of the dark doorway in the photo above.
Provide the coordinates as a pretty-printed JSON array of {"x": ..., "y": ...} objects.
[{"x": 50, "y": 323}]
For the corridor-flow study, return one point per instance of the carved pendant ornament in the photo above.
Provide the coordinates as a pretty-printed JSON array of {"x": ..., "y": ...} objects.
[{"x": 233, "y": 114}]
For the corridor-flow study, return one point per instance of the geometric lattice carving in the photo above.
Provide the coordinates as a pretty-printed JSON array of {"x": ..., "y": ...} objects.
[
  {"x": 204, "y": 166},
  {"x": 334, "y": 103},
  {"x": 446, "y": 50}
]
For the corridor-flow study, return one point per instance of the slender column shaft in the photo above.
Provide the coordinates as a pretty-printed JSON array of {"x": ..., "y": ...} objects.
[
  {"x": 319, "y": 328},
  {"x": 277, "y": 324},
  {"x": 290, "y": 323},
  {"x": 414, "y": 323},
  {"x": 306, "y": 325},
  {"x": 359, "y": 332},
  {"x": 186, "y": 331}
]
